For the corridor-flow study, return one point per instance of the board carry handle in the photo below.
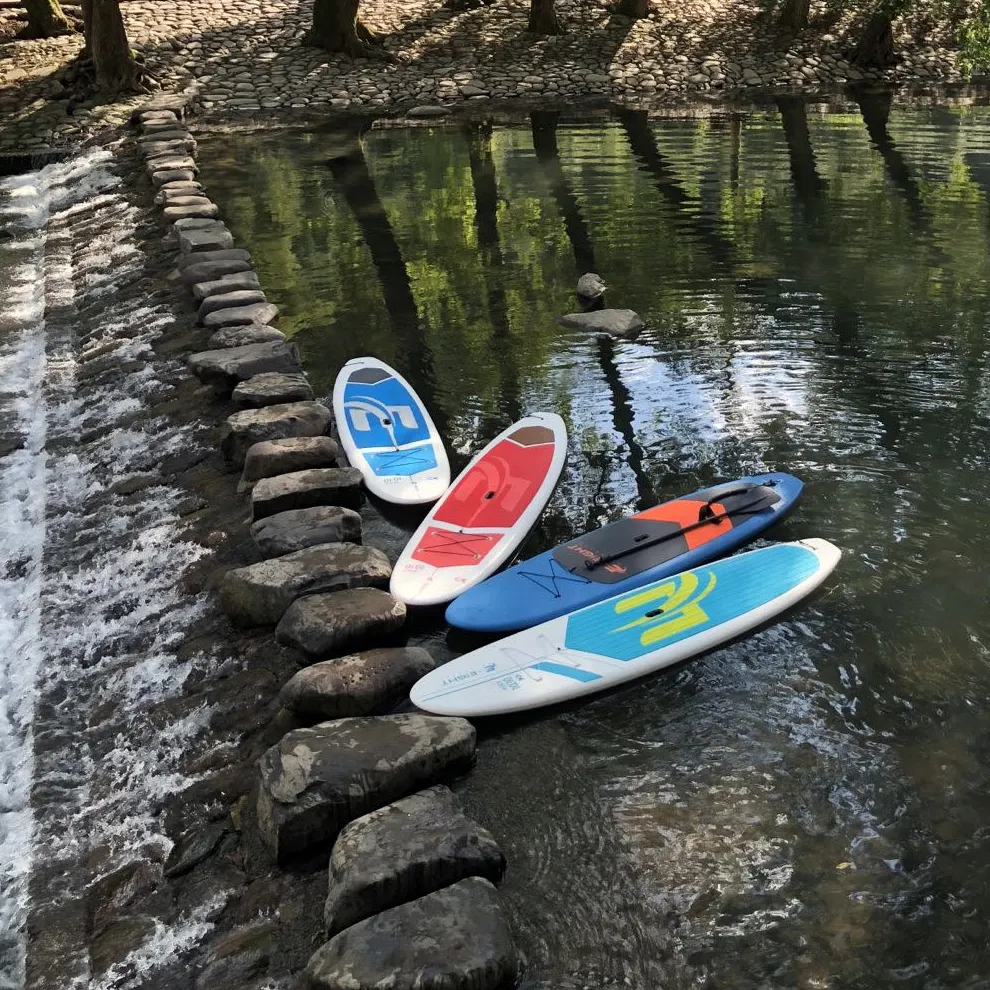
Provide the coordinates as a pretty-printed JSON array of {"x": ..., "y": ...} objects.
[{"x": 704, "y": 519}]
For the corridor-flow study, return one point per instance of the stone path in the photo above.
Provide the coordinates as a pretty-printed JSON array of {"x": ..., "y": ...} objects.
[{"x": 248, "y": 56}]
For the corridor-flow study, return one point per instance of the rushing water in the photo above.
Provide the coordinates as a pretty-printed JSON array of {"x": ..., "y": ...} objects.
[
  {"x": 809, "y": 807},
  {"x": 90, "y": 615}
]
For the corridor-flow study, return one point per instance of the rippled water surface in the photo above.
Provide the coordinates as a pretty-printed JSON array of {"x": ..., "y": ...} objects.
[{"x": 809, "y": 807}]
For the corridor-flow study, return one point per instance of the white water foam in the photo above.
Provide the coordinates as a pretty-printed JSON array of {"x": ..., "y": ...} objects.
[{"x": 90, "y": 616}]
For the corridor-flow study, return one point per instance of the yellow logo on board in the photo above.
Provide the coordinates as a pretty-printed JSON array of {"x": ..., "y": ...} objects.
[{"x": 676, "y": 607}]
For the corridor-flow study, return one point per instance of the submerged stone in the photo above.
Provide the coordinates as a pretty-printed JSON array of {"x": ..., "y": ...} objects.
[
  {"x": 456, "y": 938},
  {"x": 358, "y": 684},
  {"x": 260, "y": 594},
  {"x": 271, "y": 389},
  {"x": 246, "y": 333},
  {"x": 259, "y": 312},
  {"x": 288, "y": 419},
  {"x": 328, "y": 625},
  {"x": 297, "y": 529},
  {"x": 304, "y": 489},
  {"x": 425, "y": 112},
  {"x": 615, "y": 322},
  {"x": 229, "y": 365},
  {"x": 191, "y": 849},
  {"x": 405, "y": 850},
  {"x": 316, "y": 780}
]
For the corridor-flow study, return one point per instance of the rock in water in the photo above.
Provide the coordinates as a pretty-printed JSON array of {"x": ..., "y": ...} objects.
[
  {"x": 615, "y": 322},
  {"x": 403, "y": 851},
  {"x": 359, "y": 684},
  {"x": 243, "y": 334},
  {"x": 226, "y": 283},
  {"x": 314, "y": 781},
  {"x": 327, "y": 625},
  {"x": 232, "y": 316},
  {"x": 209, "y": 271},
  {"x": 270, "y": 390},
  {"x": 305, "y": 489},
  {"x": 591, "y": 287},
  {"x": 288, "y": 419},
  {"x": 260, "y": 594},
  {"x": 286, "y": 532},
  {"x": 456, "y": 938},
  {"x": 213, "y": 238},
  {"x": 226, "y": 300},
  {"x": 273, "y": 457},
  {"x": 229, "y": 365}
]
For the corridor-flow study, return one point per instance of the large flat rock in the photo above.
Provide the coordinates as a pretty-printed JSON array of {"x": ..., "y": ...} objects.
[
  {"x": 228, "y": 365},
  {"x": 258, "y": 312},
  {"x": 288, "y": 419},
  {"x": 237, "y": 282},
  {"x": 163, "y": 176},
  {"x": 212, "y": 238},
  {"x": 272, "y": 389},
  {"x": 456, "y": 938},
  {"x": 316, "y": 780},
  {"x": 615, "y": 322},
  {"x": 405, "y": 850},
  {"x": 274, "y": 457},
  {"x": 328, "y": 625},
  {"x": 359, "y": 684},
  {"x": 305, "y": 489},
  {"x": 240, "y": 336},
  {"x": 226, "y": 300},
  {"x": 297, "y": 529},
  {"x": 220, "y": 254},
  {"x": 260, "y": 594},
  {"x": 204, "y": 209}
]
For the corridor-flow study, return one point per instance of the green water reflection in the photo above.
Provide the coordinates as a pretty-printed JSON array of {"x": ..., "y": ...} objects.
[{"x": 807, "y": 808}]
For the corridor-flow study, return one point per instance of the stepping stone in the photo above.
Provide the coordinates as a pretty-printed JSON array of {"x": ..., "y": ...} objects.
[
  {"x": 179, "y": 143},
  {"x": 303, "y": 489},
  {"x": 615, "y": 322},
  {"x": 159, "y": 127},
  {"x": 259, "y": 312},
  {"x": 208, "y": 271},
  {"x": 268, "y": 390},
  {"x": 358, "y": 684},
  {"x": 230, "y": 365},
  {"x": 288, "y": 419},
  {"x": 171, "y": 161},
  {"x": 225, "y": 300},
  {"x": 314, "y": 781},
  {"x": 147, "y": 117},
  {"x": 405, "y": 850},
  {"x": 260, "y": 594},
  {"x": 204, "y": 210},
  {"x": 226, "y": 283},
  {"x": 201, "y": 257},
  {"x": 245, "y": 333},
  {"x": 286, "y": 532},
  {"x": 273, "y": 457},
  {"x": 453, "y": 939},
  {"x": 328, "y": 625},
  {"x": 174, "y": 133},
  {"x": 208, "y": 239},
  {"x": 165, "y": 175},
  {"x": 187, "y": 198},
  {"x": 196, "y": 223},
  {"x": 171, "y": 189}
]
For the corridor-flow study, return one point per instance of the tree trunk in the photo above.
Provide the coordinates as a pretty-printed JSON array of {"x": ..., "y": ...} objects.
[
  {"x": 45, "y": 19},
  {"x": 336, "y": 28},
  {"x": 876, "y": 48},
  {"x": 106, "y": 42},
  {"x": 632, "y": 8},
  {"x": 794, "y": 14},
  {"x": 543, "y": 18}
]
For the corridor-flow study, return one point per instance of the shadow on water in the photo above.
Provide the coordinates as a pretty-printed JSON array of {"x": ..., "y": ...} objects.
[{"x": 805, "y": 806}]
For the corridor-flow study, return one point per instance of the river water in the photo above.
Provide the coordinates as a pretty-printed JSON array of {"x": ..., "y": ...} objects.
[{"x": 808, "y": 807}]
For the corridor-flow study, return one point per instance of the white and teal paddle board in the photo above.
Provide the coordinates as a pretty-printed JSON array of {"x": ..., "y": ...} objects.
[
  {"x": 388, "y": 435},
  {"x": 630, "y": 635}
]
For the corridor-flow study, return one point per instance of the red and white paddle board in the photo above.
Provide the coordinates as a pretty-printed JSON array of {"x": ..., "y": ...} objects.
[{"x": 487, "y": 512}]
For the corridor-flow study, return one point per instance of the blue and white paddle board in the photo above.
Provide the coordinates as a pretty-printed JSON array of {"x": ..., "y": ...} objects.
[
  {"x": 630, "y": 635},
  {"x": 671, "y": 537},
  {"x": 388, "y": 435}
]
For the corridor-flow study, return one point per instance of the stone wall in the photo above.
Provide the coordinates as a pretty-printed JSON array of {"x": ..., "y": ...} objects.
[{"x": 410, "y": 898}]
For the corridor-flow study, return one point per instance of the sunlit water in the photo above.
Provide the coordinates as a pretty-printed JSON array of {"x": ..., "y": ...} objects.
[{"x": 809, "y": 807}]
